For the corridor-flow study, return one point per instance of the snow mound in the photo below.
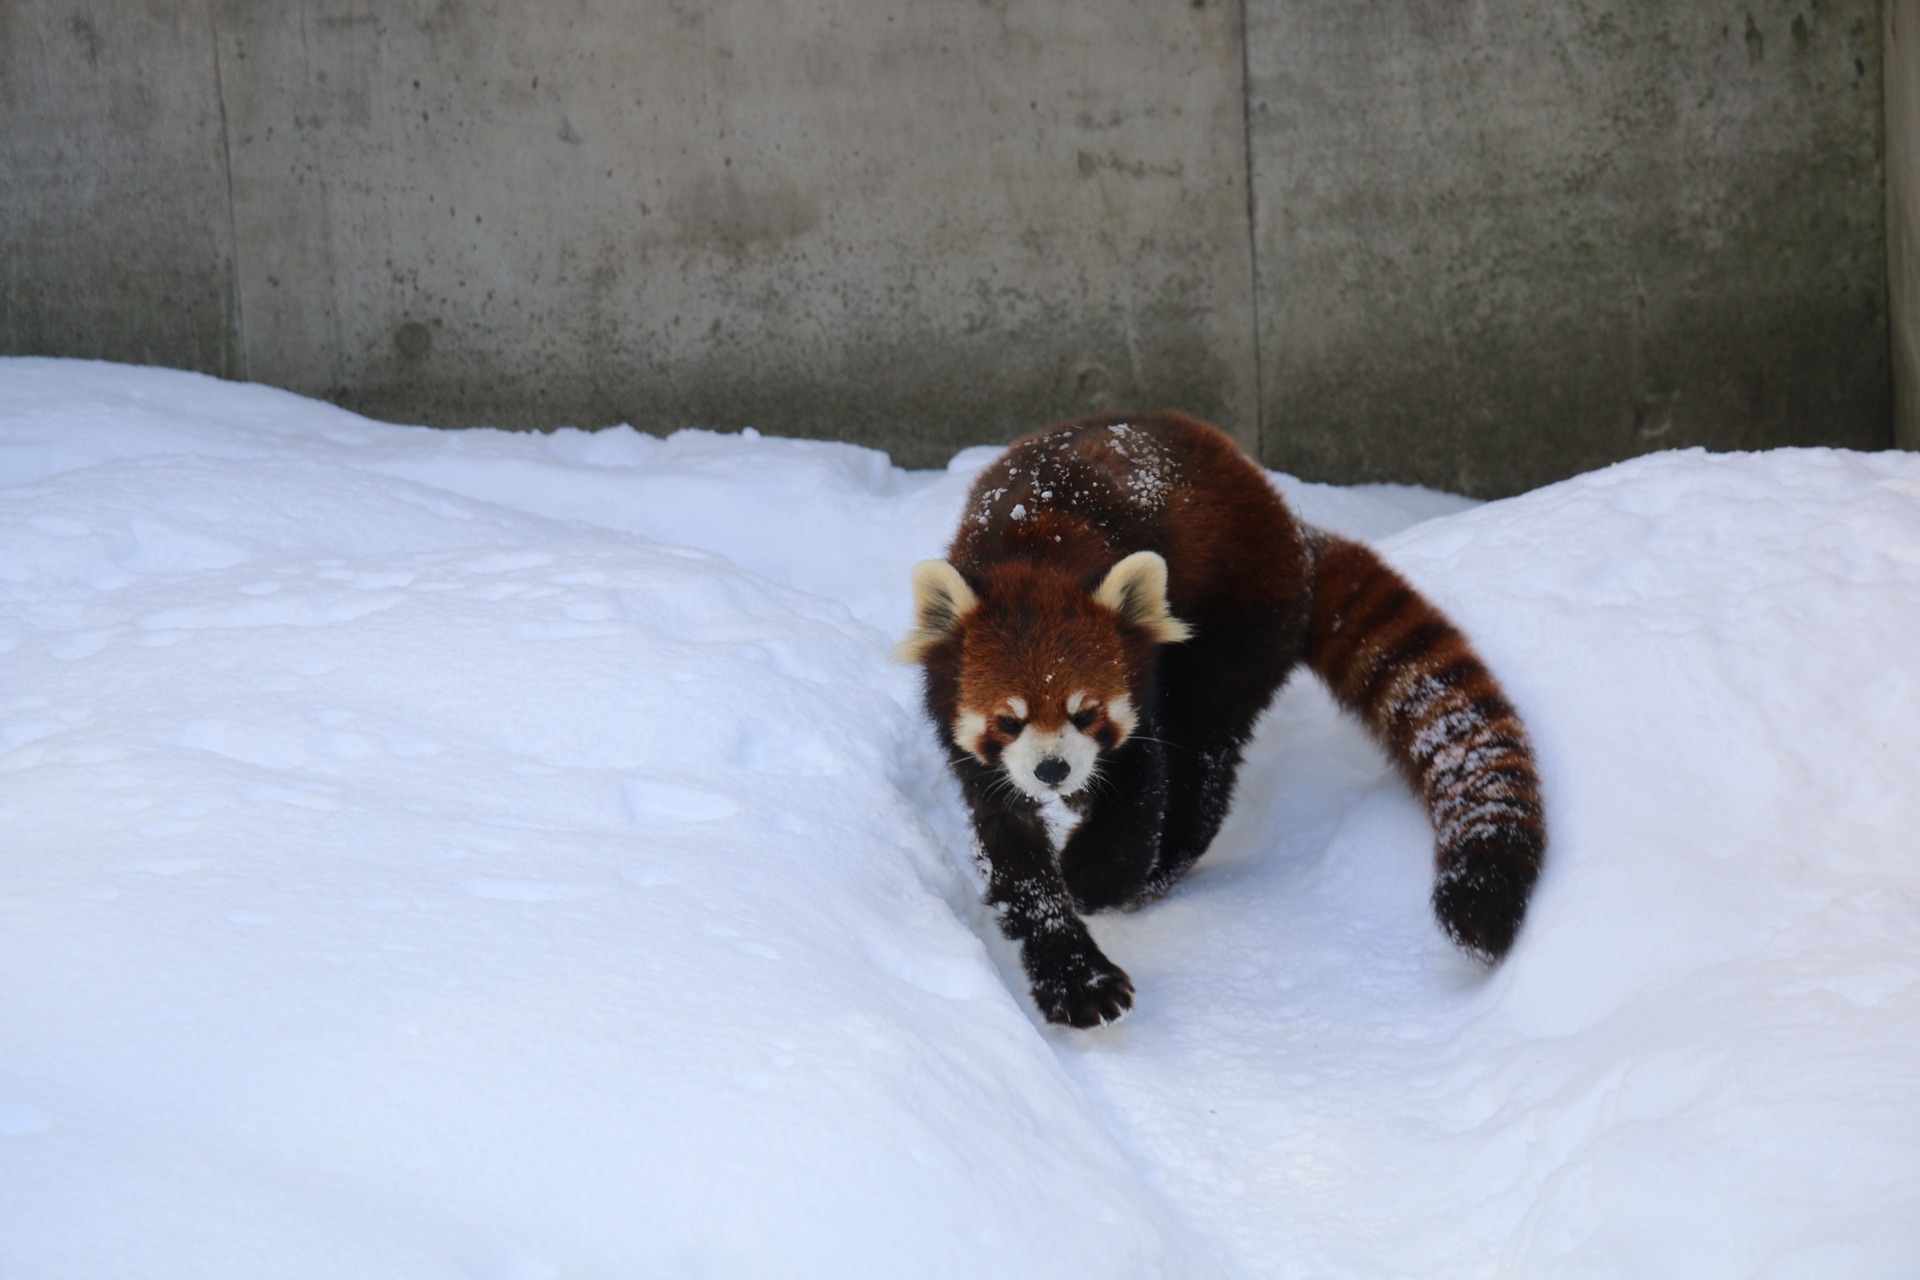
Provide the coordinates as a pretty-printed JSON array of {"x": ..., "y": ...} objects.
[{"x": 506, "y": 855}]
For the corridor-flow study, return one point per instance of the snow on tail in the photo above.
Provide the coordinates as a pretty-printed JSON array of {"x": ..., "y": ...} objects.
[{"x": 1395, "y": 660}]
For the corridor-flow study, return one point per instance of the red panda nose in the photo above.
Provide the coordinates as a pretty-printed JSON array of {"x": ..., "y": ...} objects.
[{"x": 1053, "y": 771}]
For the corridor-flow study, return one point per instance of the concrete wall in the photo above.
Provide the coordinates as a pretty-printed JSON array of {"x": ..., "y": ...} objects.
[
  {"x": 1475, "y": 243},
  {"x": 1903, "y": 212},
  {"x": 1500, "y": 240},
  {"x": 116, "y": 235}
]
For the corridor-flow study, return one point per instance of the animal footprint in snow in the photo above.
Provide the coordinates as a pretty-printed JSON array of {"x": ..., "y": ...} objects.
[
  {"x": 272, "y": 611},
  {"x": 60, "y": 526},
  {"x": 654, "y": 803},
  {"x": 22, "y": 1119},
  {"x": 777, "y": 748},
  {"x": 508, "y": 562},
  {"x": 501, "y": 890}
]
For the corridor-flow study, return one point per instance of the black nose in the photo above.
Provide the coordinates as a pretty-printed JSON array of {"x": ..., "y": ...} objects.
[{"x": 1053, "y": 771}]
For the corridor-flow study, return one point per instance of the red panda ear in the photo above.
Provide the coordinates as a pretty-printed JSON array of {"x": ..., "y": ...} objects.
[
  {"x": 941, "y": 597},
  {"x": 1136, "y": 589}
]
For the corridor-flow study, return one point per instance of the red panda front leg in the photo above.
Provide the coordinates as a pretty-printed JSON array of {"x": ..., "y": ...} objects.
[
  {"x": 1072, "y": 981},
  {"x": 1109, "y": 859}
]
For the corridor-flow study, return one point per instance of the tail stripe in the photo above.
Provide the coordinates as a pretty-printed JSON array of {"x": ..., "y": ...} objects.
[
  {"x": 1395, "y": 660},
  {"x": 1415, "y": 646}
]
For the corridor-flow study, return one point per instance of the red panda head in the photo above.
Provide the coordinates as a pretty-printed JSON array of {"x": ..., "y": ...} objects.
[{"x": 1044, "y": 672}]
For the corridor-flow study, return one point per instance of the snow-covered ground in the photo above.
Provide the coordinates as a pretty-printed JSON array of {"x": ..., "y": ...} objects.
[{"x": 497, "y": 855}]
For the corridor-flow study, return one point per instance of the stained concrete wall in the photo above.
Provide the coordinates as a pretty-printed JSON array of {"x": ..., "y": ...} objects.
[
  {"x": 918, "y": 227},
  {"x": 116, "y": 240},
  {"x": 1499, "y": 240},
  {"x": 1475, "y": 243},
  {"x": 1903, "y": 212}
]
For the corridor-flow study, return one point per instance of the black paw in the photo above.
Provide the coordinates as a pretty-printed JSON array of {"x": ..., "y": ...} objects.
[
  {"x": 1481, "y": 892},
  {"x": 1081, "y": 988}
]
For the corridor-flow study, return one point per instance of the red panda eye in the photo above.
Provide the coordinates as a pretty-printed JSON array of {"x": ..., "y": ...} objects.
[
  {"x": 1008, "y": 724},
  {"x": 1084, "y": 718}
]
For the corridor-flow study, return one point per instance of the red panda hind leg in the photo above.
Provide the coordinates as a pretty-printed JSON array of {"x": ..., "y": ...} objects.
[{"x": 1215, "y": 688}]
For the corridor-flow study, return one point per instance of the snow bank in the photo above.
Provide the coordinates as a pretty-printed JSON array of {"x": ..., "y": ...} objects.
[
  {"x": 403, "y": 884},
  {"x": 499, "y": 855}
]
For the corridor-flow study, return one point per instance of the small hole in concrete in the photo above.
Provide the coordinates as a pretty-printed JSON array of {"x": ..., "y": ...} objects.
[{"x": 413, "y": 339}]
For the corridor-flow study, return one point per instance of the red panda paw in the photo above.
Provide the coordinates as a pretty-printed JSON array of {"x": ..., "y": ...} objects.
[
  {"x": 1081, "y": 989},
  {"x": 1481, "y": 892}
]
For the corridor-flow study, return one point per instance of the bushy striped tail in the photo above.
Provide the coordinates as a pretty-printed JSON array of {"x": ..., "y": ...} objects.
[{"x": 1394, "y": 659}]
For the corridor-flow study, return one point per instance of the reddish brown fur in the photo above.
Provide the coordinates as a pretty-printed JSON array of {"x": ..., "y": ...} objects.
[
  {"x": 1026, "y": 630},
  {"x": 1043, "y": 527},
  {"x": 1225, "y": 534}
]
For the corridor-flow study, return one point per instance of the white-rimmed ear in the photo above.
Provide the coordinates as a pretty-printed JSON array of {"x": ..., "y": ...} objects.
[
  {"x": 1136, "y": 589},
  {"x": 941, "y": 597}
]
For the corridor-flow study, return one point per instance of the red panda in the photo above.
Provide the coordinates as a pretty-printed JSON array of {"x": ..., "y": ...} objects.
[{"x": 1122, "y": 600}]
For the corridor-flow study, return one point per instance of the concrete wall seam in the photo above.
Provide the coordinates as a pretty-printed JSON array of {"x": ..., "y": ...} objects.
[
  {"x": 1258, "y": 433},
  {"x": 1902, "y": 43},
  {"x": 238, "y": 304}
]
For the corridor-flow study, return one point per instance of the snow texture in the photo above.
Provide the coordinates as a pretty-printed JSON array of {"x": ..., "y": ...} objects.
[{"x": 501, "y": 855}]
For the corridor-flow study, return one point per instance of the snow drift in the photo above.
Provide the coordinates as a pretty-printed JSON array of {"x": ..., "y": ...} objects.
[{"x": 500, "y": 855}]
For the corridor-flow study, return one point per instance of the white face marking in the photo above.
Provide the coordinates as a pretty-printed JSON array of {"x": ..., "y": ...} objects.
[
  {"x": 1033, "y": 749},
  {"x": 1044, "y": 764},
  {"x": 968, "y": 728}
]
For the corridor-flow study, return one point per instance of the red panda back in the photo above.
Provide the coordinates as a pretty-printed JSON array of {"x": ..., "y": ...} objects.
[{"x": 1081, "y": 496}]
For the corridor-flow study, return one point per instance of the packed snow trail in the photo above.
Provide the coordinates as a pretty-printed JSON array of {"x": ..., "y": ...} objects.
[
  {"x": 1701, "y": 1057},
  {"x": 482, "y": 854}
]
